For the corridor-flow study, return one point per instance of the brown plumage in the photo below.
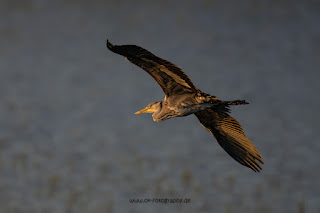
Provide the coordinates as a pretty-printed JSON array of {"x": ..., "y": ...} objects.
[
  {"x": 170, "y": 77},
  {"x": 231, "y": 137},
  {"x": 182, "y": 98}
]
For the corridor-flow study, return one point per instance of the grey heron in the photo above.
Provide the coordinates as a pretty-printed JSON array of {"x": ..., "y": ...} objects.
[{"x": 182, "y": 98}]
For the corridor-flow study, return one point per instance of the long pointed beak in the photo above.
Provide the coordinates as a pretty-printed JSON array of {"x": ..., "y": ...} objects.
[{"x": 145, "y": 110}]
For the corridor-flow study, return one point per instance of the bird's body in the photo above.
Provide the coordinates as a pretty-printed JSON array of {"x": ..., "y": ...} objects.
[
  {"x": 182, "y": 98},
  {"x": 186, "y": 104}
]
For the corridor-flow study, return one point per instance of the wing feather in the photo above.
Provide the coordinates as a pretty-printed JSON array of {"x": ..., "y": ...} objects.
[
  {"x": 231, "y": 137},
  {"x": 170, "y": 77}
]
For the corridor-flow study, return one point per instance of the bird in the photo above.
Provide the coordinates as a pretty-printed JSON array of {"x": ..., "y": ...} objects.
[{"x": 182, "y": 98}]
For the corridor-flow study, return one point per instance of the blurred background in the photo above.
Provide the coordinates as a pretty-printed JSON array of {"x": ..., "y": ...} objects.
[{"x": 69, "y": 139}]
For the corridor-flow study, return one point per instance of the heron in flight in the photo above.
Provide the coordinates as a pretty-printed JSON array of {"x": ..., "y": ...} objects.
[{"x": 182, "y": 98}]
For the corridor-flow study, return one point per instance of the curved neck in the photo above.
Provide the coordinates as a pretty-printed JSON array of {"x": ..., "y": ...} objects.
[
  {"x": 158, "y": 113},
  {"x": 163, "y": 112}
]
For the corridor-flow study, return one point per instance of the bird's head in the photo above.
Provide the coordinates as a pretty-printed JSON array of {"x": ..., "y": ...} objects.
[{"x": 151, "y": 108}]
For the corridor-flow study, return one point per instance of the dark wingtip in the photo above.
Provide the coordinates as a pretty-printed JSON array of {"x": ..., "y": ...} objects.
[{"x": 109, "y": 45}]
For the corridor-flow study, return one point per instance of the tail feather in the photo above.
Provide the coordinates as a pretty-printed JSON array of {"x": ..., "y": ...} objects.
[{"x": 235, "y": 102}]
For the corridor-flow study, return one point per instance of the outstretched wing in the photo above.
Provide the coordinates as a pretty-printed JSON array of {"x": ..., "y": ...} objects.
[
  {"x": 171, "y": 78},
  {"x": 231, "y": 137}
]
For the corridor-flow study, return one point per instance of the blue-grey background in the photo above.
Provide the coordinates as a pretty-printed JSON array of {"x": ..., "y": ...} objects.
[{"x": 69, "y": 139}]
